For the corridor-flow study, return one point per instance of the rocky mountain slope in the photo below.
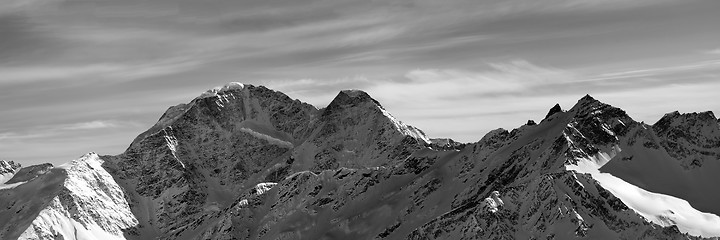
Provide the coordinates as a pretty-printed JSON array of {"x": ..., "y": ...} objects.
[
  {"x": 78, "y": 200},
  {"x": 247, "y": 162},
  {"x": 683, "y": 152},
  {"x": 7, "y": 170}
]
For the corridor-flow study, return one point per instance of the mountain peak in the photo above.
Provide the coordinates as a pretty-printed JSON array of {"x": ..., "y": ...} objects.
[
  {"x": 242, "y": 159},
  {"x": 671, "y": 114},
  {"x": 355, "y": 93},
  {"x": 588, "y": 100},
  {"x": 233, "y": 106},
  {"x": 8, "y": 167},
  {"x": 554, "y": 109},
  {"x": 350, "y": 98},
  {"x": 220, "y": 89},
  {"x": 353, "y": 97},
  {"x": 30, "y": 172},
  {"x": 707, "y": 115},
  {"x": 676, "y": 119},
  {"x": 588, "y": 104},
  {"x": 701, "y": 116}
]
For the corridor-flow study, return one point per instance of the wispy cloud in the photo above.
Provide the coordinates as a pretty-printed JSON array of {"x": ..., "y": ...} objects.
[
  {"x": 14, "y": 6},
  {"x": 511, "y": 77},
  {"x": 59, "y": 129},
  {"x": 40, "y": 73},
  {"x": 98, "y": 35},
  {"x": 508, "y": 93},
  {"x": 693, "y": 67},
  {"x": 90, "y": 125},
  {"x": 370, "y": 36},
  {"x": 97, "y": 71},
  {"x": 15, "y": 136},
  {"x": 319, "y": 92}
]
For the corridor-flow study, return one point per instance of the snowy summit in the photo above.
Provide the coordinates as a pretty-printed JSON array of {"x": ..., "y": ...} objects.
[{"x": 213, "y": 92}]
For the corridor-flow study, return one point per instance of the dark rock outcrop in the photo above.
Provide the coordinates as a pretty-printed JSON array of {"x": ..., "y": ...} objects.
[{"x": 555, "y": 109}]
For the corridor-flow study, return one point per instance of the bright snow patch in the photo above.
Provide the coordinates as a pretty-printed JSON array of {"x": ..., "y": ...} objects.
[
  {"x": 259, "y": 189},
  {"x": 12, "y": 185},
  {"x": 262, "y": 188},
  {"x": 5, "y": 177},
  {"x": 492, "y": 203},
  {"x": 405, "y": 129},
  {"x": 172, "y": 144},
  {"x": 67, "y": 228},
  {"x": 92, "y": 206},
  {"x": 268, "y": 138},
  {"x": 219, "y": 89},
  {"x": 659, "y": 208}
]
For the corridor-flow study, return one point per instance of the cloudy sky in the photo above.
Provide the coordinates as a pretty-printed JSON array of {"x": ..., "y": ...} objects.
[{"x": 89, "y": 75}]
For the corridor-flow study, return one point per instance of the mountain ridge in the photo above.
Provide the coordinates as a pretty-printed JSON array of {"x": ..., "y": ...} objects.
[{"x": 244, "y": 161}]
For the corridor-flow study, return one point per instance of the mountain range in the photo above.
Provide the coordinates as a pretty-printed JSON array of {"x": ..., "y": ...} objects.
[{"x": 247, "y": 162}]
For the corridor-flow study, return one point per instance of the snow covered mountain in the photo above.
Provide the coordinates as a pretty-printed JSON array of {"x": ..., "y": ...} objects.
[
  {"x": 7, "y": 170},
  {"x": 78, "y": 200},
  {"x": 247, "y": 162}
]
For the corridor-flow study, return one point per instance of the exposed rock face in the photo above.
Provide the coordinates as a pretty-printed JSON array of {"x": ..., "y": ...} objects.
[
  {"x": 246, "y": 162},
  {"x": 683, "y": 151},
  {"x": 355, "y": 131},
  {"x": 558, "y": 205},
  {"x": 555, "y": 109},
  {"x": 7, "y": 170},
  {"x": 595, "y": 128},
  {"x": 410, "y": 199},
  {"x": 691, "y": 138},
  {"x": 446, "y": 144},
  {"x": 191, "y": 164},
  {"x": 198, "y": 155},
  {"x": 30, "y": 172},
  {"x": 8, "y": 167}
]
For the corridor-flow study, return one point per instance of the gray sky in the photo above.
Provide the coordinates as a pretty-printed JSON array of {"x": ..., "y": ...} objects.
[{"x": 89, "y": 75}]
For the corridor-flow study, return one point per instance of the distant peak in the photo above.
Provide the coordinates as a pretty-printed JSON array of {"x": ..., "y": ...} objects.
[
  {"x": 589, "y": 100},
  {"x": 587, "y": 103},
  {"x": 707, "y": 115},
  {"x": 358, "y": 104},
  {"x": 590, "y": 108},
  {"x": 673, "y": 113},
  {"x": 8, "y": 166},
  {"x": 89, "y": 155},
  {"x": 30, "y": 172},
  {"x": 220, "y": 89},
  {"x": 556, "y": 109},
  {"x": 355, "y": 93},
  {"x": 668, "y": 116},
  {"x": 229, "y": 86},
  {"x": 4, "y": 163},
  {"x": 352, "y": 98},
  {"x": 675, "y": 118}
]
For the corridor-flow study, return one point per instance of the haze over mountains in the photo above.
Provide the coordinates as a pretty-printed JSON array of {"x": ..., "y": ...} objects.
[{"x": 246, "y": 162}]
